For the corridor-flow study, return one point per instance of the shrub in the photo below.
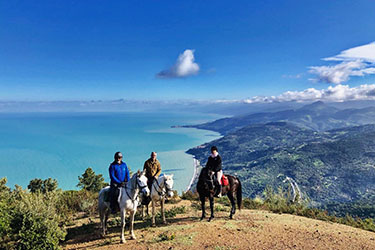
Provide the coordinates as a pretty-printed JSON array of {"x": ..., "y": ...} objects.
[
  {"x": 189, "y": 195},
  {"x": 252, "y": 203},
  {"x": 73, "y": 201},
  {"x": 171, "y": 213},
  {"x": 5, "y": 214},
  {"x": 35, "y": 222},
  {"x": 43, "y": 186}
]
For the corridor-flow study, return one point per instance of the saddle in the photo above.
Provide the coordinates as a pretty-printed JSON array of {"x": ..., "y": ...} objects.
[
  {"x": 224, "y": 180},
  {"x": 212, "y": 182}
]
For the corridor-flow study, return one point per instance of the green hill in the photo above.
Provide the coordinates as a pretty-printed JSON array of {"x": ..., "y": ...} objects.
[{"x": 332, "y": 166}]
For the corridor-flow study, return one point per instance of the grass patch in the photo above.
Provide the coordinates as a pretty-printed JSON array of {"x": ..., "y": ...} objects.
[{"x": 164, "y": 236}]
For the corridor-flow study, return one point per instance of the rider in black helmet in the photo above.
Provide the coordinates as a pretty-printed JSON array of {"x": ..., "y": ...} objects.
[
  {"x": 119, "y": 174},
  {"x": 214, "y": 164}
]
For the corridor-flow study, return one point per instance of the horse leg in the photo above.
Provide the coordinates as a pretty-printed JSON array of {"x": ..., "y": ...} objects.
[
  {"x": 132, "y": 214},
  {"x": 233, "y": 203},
  {"x": 123, "y": 211},
  {"x": 102, "y": 219},
  {"x": 211, "y": 207},
  {"x": 106, "y": 216},
  {"x": 143, "y": 211},
  {"x": 203, "y": 201},
  {"x": 162, "y": 210},
  {"x": 153, "y": 213}
]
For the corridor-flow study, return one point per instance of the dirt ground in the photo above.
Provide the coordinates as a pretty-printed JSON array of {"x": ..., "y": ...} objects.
[{"x": 250, "y": 229}]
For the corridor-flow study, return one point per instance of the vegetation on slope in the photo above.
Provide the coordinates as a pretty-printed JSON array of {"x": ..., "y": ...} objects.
[{"x": 331, "y": 166}]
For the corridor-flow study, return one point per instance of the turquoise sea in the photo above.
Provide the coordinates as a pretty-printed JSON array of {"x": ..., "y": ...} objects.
[{"x": 63, "y": 145}]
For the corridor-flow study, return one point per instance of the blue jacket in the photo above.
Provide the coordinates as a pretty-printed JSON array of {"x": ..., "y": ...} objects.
[{"x": 118, "y": 173}]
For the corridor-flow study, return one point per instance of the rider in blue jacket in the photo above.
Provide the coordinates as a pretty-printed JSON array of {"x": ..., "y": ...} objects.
[{"x": 119, "y": 174}]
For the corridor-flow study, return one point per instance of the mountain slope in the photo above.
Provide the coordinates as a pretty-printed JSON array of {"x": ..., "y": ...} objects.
[
  {"x": 317, "y": 116},
  {"x": 331, "y": 166}
]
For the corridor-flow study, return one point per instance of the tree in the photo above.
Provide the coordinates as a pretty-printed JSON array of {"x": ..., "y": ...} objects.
[
  {"x": 3, "y": 187},
  {"x": 42, "y": 186},
  {"x": 91, "y": 181}
]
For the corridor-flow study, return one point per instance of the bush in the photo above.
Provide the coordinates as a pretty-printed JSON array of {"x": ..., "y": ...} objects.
[
  {"x": 189, "y": 195},
  {"x": 5, "y": 213},
  {"x": 35, "y": 221},
  {"x": 73, "y": 201},
  {"x": 171, "y": 213},
  {"x": 252, "y": 203},
  {"x": 43, "y": 186}
]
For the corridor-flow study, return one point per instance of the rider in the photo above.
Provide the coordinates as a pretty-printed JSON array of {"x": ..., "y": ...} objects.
[
  {"x": 119, "y": 174},
  {"x": 153, "y": 169},
  {"x": 214, "y": 164}
]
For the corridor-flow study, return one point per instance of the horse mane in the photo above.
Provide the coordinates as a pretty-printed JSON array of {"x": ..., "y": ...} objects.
[
  {"x": 203, "y": 175},
  {"x": 132, "y": 179}
]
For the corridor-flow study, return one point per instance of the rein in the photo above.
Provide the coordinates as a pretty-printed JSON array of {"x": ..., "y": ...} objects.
[
  {"x": 135, "y": 193},
  {"x": 161, "y": 192}
]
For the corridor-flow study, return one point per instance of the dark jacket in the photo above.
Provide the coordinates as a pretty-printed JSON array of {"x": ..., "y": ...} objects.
[
  {"x": 118, "y": 173},
  {"x": 214, "y": 163}
]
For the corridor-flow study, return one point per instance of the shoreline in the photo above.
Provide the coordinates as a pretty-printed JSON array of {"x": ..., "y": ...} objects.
[{"x": 196, "y": 164}]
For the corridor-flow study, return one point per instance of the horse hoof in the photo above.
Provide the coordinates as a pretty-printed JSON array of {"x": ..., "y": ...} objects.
[
  {"x": 153, "y": 225},
  {"x": 210, "y": 219},
  {"x": 122, "y": 241},
  {"x": 133, "y": 237}
]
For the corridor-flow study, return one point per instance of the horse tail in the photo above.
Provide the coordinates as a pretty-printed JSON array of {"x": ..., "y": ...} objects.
[{"x": 239, "y": 194}]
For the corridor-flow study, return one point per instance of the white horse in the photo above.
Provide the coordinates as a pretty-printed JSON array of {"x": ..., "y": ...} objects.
[
  {"x": 128, "y": 201},
  {"x": 161, "y": 187}
]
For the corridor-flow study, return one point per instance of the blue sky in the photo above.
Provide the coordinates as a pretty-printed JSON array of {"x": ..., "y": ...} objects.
[{"x": 82, "y": 50}]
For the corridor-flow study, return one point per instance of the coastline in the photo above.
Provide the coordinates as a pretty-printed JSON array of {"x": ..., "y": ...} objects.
[{"x": 196, "y": 164}]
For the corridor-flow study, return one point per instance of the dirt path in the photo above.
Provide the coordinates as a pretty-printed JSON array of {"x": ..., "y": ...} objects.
[{"x": 251, "y": 229}]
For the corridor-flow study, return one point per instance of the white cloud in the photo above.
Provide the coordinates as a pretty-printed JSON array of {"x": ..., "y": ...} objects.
[
  {"x": 338, "y": 93},
  {"x": 365, "y": 53},
  {"x": 357, "y": 61},
  {"x": 184, "y": 66}
]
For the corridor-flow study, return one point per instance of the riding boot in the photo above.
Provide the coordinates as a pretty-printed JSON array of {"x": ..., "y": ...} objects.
[{"x": 113, "y": 192}]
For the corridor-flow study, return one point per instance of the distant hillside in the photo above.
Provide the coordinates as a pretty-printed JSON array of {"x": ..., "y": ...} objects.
[
  {"x": 317, "y": 116},
  {"x": 332, "y": 166}
]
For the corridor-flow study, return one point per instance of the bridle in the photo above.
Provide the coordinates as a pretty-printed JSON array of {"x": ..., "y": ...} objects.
[
  {"x": 136, "y": 193},
  {"x": 161, "y": 192}
]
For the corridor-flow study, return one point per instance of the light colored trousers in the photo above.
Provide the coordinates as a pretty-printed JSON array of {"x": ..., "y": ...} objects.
[{"x": 219, "y": 175}]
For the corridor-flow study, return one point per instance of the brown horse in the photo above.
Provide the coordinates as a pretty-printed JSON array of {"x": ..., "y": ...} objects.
[{"x": 206, "y": 188}]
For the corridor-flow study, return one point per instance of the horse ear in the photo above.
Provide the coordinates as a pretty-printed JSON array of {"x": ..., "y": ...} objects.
[
  {"x": 172, "y": 175},
  {"x": 139, "y": 173}
]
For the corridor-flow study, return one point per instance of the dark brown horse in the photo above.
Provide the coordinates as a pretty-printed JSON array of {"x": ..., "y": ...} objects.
[{"x": 206, "y": 188}]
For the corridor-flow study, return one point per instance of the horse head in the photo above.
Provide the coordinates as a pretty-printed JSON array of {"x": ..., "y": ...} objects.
[
  {"x": 168, "y": 181},
  {"x": 142, "y": 183}
]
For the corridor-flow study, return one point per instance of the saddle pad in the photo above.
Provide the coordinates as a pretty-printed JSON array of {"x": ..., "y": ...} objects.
[{"x": 224, "y": 181}]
